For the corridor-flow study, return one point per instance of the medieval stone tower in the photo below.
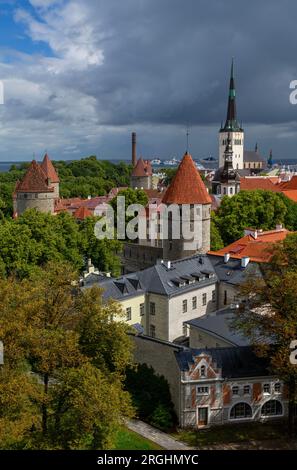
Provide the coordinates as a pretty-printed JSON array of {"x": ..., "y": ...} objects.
[
  {"x": 141, "y": 177},
  {"x": 233, "y": 129},
  {"x": 187, "y": 188},
  {"x": 38, "y": 189}
]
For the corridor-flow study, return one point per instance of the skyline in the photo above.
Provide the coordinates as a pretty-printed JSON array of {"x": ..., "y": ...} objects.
[{"x": 79, "y": 78}]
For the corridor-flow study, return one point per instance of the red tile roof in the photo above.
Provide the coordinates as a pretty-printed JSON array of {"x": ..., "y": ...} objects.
[
  {"x": 252, "y": 183},
  {"x": 34, "y": 180},
  {"x": 259, "y": 248},
  {"x": 290, "y": 185},
  {"x": 291, "y": 194},
  {"x": 82, "y": 212},
  {"x": 142, "y": 168},
  {"x": 187, "y": 186},
  {"x": 49, "y": 169}
]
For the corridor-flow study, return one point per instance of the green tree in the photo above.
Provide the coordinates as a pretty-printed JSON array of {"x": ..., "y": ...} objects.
[{"x": 271, "y": 319}]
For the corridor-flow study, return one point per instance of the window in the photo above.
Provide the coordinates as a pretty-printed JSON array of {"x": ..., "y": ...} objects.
[
  {"x": 152, "y": 331},
  {"x": 235, "y": 390},
  {"x": 241, "y": 411},
  {"x": 225, "y": 191},
  {"x": 185, "y": 306},
  {"x": 128, "y": 313},
  {"x": 266, "y": 388},
  {"x": 152, "y": 308},
  {"x": 194, "y": 303},
  {"x": 204, "y": 299},
  {"x": 272, "y": 408},
  {"x": 141, "y": 308},
  {"x": 202, "y": 371},
  {"x": 213, "y": 296},
  {"x": 246, "y": 390},
  {"x": 202, "y": 390},
  {"x": 277, "y": 387},
  {"x": 225, "y": 297},
  {"x": 231, "y": 190}
]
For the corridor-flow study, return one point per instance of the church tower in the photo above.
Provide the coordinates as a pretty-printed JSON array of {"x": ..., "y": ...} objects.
[
  {"x": 226, "y": 181},
  {"x": 233, "y": 128}
]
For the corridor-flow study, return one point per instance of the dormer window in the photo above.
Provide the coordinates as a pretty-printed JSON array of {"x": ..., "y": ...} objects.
[{"x": 202, "y": 371}]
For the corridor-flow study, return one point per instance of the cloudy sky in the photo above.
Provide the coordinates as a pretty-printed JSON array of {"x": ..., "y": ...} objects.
[{"x": 79, "y": 76}]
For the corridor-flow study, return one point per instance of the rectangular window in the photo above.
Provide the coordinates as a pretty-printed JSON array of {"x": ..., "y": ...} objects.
[
  {"x": 185, "y": 306},
  {"x": 202, "y": 390},
  {"x": 141, "y": 308},
  {"x": 185, "y": 330},
  {"x": 277, "y": 387},
  {"x": 152, "y": 308},
  {"x": 128, "y": 313},
  {"x": 152, "y": 331},
  {"x": 204, "y": 299},
  {"x": 194, "y": 303},
  {"x": 213, "y": 296},
  {"x": 266, "y": 388},
  {"x": 246, "y": 390},
  {"x": 235, "y": 390}
]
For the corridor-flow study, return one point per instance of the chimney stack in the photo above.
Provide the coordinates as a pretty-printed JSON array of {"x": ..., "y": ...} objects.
[{"x": 134, "y": 156}]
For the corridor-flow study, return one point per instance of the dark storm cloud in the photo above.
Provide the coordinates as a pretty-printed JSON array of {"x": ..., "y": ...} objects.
[{"x": 168, "y": 61}]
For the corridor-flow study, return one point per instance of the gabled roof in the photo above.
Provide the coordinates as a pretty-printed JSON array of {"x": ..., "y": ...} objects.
[
  {"x": 252, "y": 183},
  {"x": 258, "y": 248},
  {"x": 49, "y": 169},
  {"x": 142, "y": 168},
  {"x": 252, "y": 156},
  {"x": 187, "y": 186},
  {"x": 234, "y": 361},
  {"x": 34, "y": 180},
  {"x": 82, "y": 212}
]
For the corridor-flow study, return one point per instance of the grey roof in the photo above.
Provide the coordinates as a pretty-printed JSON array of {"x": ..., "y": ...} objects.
[
  {"x": 232, "y": 272},
  {"x": 182, "y": 276},
  {"x": 236, "y": 362},
  {"x": 252, "y": 156},
  {"x": 219, "y": 324}
]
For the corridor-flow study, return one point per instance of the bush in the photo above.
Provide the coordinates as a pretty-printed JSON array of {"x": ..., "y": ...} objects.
[{"x": 161, "y": 418}]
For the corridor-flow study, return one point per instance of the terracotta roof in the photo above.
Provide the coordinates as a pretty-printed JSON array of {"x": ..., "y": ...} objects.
[
  {"x": 292, "y": 184},
  {"x": 49, "y": 169},
  {"x": 82, "y": 212},
  {"x": 291, "y": 194},
  {"x": 34, "y": 180},
  {"x": 142, "y": 168},
  {"x": 259, "y": 248},
  {"x": 187, "y": 186},
  {"x": 252, "y": 183}
]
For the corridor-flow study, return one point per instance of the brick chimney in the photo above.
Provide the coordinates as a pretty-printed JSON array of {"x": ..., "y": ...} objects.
[{"x": 134, "y": 155}]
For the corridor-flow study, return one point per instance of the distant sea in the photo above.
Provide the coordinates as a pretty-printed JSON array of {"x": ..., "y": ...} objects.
[{"x": 292, "y": 163}]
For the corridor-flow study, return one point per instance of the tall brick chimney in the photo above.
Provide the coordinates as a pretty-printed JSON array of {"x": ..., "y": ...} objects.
[{"x": 134, "y": 155}]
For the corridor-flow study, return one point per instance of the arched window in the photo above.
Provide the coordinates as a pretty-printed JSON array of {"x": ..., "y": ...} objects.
[
  {"x": 240, "y": 411},
  {"x": 272, "y": 408}
]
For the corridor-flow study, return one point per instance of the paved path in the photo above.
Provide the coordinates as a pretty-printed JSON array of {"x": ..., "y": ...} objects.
[{"x": 154, "y": 435}]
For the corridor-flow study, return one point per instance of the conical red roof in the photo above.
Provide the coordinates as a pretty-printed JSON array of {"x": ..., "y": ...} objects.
[
  {"x": 49, "y": 169},
  {"x": 187, "y": 186},
  {"x": 34, "y": 180},
  {"x": 142, "y": 168}
]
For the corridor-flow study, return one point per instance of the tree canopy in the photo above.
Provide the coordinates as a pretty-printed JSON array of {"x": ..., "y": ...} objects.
[{"x": 62, "y": 380}]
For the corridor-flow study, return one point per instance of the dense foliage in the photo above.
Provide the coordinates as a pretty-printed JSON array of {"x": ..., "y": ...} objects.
[
  {"x": 61, "y": 385},
  {"x": 35, "y": 238},
  {"x": 258, "y": 209},
  {"x": 151, "y": 396},
  {"x": 271, "y": 319}
]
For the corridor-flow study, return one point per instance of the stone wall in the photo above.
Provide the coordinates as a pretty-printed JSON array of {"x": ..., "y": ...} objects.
[{"x": 43, "y": 202}]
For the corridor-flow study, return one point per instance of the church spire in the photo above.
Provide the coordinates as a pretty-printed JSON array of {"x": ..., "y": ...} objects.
[{"x": 231, "y": 123}]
